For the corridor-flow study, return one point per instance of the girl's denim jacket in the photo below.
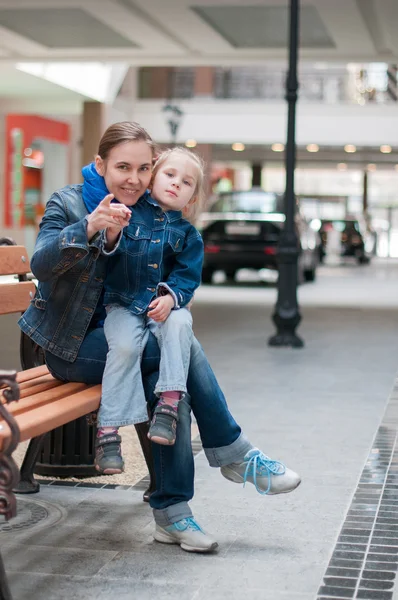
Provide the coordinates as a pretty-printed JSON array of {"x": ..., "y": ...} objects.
[
  {"x": 159, "y": 252},
  {"x": 71, "y": 273}
]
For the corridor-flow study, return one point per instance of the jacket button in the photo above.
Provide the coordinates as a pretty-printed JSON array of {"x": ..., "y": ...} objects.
[{"x": 154, "y": 265}]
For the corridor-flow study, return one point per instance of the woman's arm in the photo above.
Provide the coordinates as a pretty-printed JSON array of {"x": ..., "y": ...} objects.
[{"x": 61, "y": 244}]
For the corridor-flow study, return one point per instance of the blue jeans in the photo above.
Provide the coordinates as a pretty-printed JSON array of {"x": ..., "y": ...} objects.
[
  {"x": 123, "y": 398},
  {"x": 221, "y": 436}
]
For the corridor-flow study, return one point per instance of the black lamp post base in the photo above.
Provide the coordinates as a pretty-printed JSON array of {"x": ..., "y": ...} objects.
[{"x": 290, "y": 340}]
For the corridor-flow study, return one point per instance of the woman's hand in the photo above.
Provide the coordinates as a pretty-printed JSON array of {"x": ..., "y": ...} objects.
[
  {"x": 160, "y": 308},
  {"x": 112, "y": 217}
]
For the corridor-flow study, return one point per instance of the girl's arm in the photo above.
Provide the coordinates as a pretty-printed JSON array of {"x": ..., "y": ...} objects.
[{"x": 185, "y": 277}]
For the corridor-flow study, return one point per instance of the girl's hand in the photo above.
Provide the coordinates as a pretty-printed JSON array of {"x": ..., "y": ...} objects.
[
  {"x": 160, "y": 308},
  {"x": 107, "y": 215}
]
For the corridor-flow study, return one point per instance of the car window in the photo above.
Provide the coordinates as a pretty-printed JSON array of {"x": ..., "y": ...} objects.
[{"x": 263, "y": 202}]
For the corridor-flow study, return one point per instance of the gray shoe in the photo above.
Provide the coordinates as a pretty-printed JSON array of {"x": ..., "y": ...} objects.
[
  {"x": 108, "y": 454},
  {"x": 163, "y": 426},
  {"x": 267, "y": 475},
  {"x": 187, "y": 534}
]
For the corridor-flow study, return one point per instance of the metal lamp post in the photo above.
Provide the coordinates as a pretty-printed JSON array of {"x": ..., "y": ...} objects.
[
  {"x": 287, "y": 316},
  {"x": 174, "y": 115}
]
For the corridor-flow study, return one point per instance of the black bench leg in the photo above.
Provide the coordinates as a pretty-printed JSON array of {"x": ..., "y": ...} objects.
[
  {"x": 27, "y": 483},
  {"x": 5, "y": 593},
  {"x": 146, "y": 446}
]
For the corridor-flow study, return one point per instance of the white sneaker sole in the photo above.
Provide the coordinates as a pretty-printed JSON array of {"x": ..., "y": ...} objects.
[
  {"x": 233, "y": 476},
  {"x": 165, "y": 538}
]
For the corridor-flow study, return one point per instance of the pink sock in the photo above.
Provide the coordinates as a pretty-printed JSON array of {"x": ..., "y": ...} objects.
[{"x": 170, "y": 399}]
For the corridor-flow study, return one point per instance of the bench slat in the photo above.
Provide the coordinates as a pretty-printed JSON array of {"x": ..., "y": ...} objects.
[
  {"x": 36, "y": 400},
  {"x": 14, "y": 260},
  {"x": 33, "y": 384},
  {"x": 31, "y": 374},
  {"x": 47, "y": 385},
  {"x": 15, "y": 297},
  {"x": 37, "y": 385},
  {"x": 35, "y": 422}
]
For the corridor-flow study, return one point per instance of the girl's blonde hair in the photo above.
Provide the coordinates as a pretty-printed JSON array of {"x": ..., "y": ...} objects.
[{"x": 192, "y": 210}]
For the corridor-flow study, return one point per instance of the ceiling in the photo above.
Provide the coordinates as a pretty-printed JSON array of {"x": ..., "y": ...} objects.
[{"x": 195, "y": 32}]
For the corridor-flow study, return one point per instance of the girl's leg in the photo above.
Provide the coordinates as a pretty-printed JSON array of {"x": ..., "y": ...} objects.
[
  {"x": 90, "y": 362},
  {"x": 175, "y": 339},
  {"x": 123, "y": 399}
]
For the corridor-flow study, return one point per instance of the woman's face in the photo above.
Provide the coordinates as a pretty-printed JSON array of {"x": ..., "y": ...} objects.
[{"x": 127, "y": 170}]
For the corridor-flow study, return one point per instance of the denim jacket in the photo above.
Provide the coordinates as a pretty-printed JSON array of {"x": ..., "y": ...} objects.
[
  {"x": 159, "y": 252},
  {"x": 70, "y": 270}
]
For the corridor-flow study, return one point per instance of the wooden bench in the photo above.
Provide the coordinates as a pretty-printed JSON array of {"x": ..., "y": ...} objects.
[{"x": 33, "y": 402}]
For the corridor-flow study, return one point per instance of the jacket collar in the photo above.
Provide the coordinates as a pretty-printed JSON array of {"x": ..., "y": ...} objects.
[{"x": 171, "y": 215}]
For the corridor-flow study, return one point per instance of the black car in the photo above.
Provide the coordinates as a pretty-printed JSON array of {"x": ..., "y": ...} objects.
[
  {"x": 242, "y": 230},
  {"x": 352, "y": 237}
]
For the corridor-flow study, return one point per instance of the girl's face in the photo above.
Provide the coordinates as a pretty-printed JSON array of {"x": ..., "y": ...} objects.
[
  {"x": 175, "y": 182},
  {"x": 127, "y": 171}
]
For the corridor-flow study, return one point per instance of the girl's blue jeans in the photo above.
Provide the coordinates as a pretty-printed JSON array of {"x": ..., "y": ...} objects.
[
  {"x": 221, "y": 436},
  {"x": 123, "y": 397}
]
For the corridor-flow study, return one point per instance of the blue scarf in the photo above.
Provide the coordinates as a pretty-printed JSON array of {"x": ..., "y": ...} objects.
[{"x": 94, "y": 188}]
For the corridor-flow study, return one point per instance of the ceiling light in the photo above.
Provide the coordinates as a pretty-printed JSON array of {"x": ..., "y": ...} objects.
[
  {"x": 238, "y": 147},
  {"x": 312, "y": 148},
  {"x": 342, "y": 167},
  {"x": 278, "y": 147},
  {"x": 350, "y": 148},
  {"x": 191, "y": 143},
  {"x": 386, "y": 149},
  {"x": 371, "y": 167}
]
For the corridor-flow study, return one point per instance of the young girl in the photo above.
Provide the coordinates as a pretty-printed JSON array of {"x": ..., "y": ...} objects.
[{"x": 152, "y": 275}]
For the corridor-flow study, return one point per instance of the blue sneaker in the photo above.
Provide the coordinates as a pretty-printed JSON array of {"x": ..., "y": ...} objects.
[
  {"x": 187, "y": 534},
  {"x": 267, "y": 475}
]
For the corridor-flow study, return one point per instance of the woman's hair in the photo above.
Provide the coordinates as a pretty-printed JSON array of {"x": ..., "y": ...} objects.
[
  {"x": 120, "y": 133},
  {"x": 191, "y": 211}
]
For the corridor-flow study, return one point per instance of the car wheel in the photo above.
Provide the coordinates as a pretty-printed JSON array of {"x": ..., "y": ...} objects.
[
  {"x": 310, "y": 274},
  {"x": 207, "y": 275},
  {"x": 230, "y": 274},
  {"x": 363, "y": 260}
]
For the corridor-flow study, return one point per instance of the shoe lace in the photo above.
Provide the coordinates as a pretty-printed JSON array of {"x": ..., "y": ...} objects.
[
  {"x": 262, "y": 465},
  {"x": 192, "y": 524}
]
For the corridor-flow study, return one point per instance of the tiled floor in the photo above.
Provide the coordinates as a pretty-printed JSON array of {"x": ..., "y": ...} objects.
[{"x": 322, "y": 410}]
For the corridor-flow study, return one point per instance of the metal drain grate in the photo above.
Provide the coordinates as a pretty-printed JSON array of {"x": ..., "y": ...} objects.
[
  {"x": 364, "y": 563},
  {"x": 32, "y": 513},
  {"x": 28, "y": 515}
]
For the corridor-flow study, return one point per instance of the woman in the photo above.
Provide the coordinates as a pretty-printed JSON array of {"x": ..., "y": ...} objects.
[{"x": 65, "y": 320}]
